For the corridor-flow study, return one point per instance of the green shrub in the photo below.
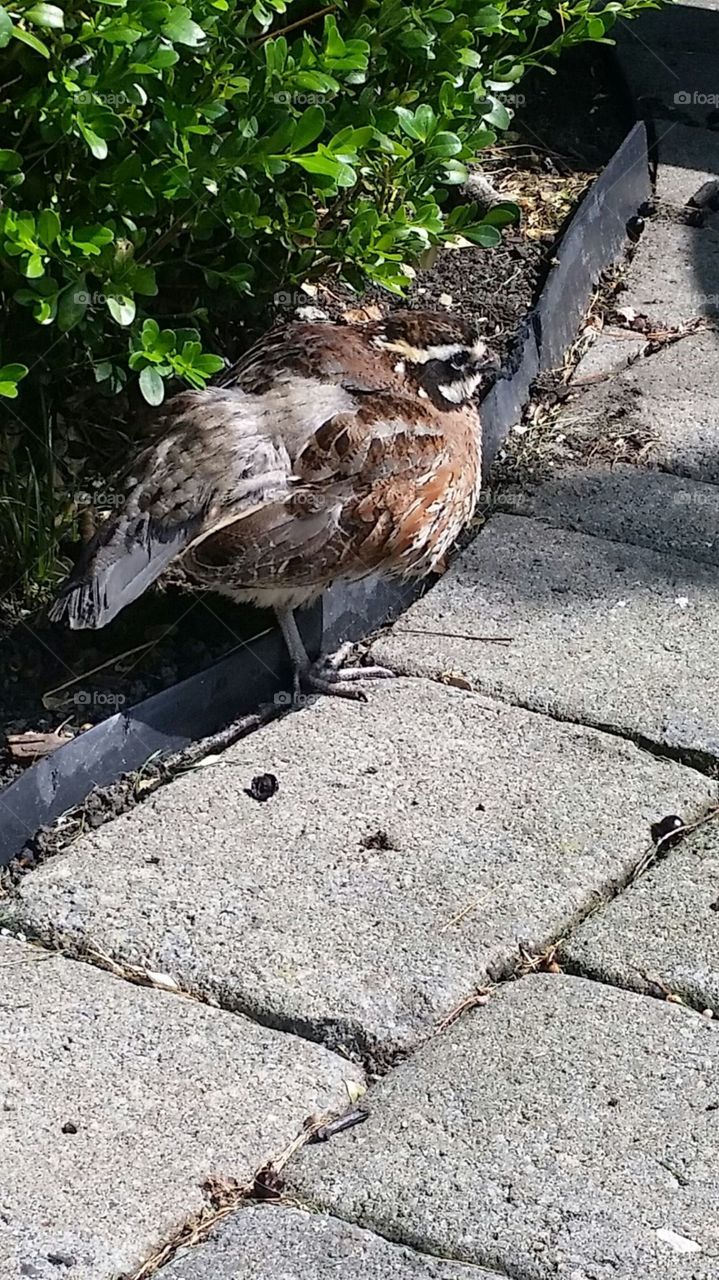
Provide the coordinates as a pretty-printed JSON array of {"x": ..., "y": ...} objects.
[{"x": 164, "y": 166}]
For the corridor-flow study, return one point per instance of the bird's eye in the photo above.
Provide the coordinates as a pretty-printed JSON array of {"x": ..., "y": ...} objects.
[{"x": 459, "y": 360}]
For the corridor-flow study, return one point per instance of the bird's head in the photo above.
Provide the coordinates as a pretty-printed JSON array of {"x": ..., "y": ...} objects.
[{"x": 443, "y": 354}]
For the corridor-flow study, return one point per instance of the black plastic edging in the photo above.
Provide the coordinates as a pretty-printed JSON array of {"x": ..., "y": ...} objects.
[{"x": 204, "y": 703}]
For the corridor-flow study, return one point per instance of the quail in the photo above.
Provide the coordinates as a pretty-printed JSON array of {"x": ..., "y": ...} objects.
[{"x": 327, "y": 452}]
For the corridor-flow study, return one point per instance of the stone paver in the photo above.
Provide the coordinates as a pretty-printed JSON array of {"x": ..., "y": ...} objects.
[
  {"x": 566, "y": 1129},
  {"x": 664, "y": 927},
  {"x": 289, "y": 1244},
  {"x": 687, "y": 159},
  {"x": 666, "y": 406},
  {"x": 414, "y": 843},
  {"x": 627, "y": 504},
  {"x": 118, "y": 1102},
  {"x": 602, "y": 632},
  {"x": 675, "y": 274}
]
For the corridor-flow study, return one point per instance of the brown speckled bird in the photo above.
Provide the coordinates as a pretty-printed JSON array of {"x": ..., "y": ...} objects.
[{"x": 327, "y": 452}]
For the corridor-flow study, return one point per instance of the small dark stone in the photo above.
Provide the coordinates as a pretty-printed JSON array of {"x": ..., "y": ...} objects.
[
  {"x": 647, "y": 209},
  {"x": 707, "y": 197},
  {"x": 377, "y": 840},
  {"x": 262, "y": 787},
  {"x": 635, "y": 227},
  {"x": 69, "y": 1127},
  {"x": 61, "y": 1259},
  {"x": 268, "y": 1184},
  {"x": 714, "y": 906},
  {"x": 668, "y": 831},
  {"x": 695, "y": 218}
]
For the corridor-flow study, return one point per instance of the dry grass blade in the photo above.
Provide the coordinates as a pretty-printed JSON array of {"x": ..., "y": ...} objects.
[
  {"x": 476, "y": 1000},
  {"x": 225, "y": 1197}
]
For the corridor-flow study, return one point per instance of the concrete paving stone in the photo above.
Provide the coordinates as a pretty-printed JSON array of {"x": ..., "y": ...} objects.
[
  {"x": 665, "y": 928},
  {"x": 567, "y": 1129},
  {"x": 413, "y": 844},
  {"x": 626, "y": 504},
  {"x": 291, "y": 1244},
  {"x": 674, "y": 275},
  {"x": 117, "y": 1103},
  {"x": 610, "y": 352},
  {"x": 688, "y": 157},
  {"x": 599, "y": 632},
  {"x": 665, "y": 409}
]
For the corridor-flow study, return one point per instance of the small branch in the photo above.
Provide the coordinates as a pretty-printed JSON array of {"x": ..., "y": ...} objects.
[
  {"x": 452, "y": 635},
  {"x": 301, "y": 22}
]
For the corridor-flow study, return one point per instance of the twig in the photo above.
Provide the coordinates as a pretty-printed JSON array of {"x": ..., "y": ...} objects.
[
  {"x": 461, "y": 915},
  {"x": 452, "y": 635},
  {"x": 477, "y": 1000},
  {"x": 49, "y": 693},
  {"x": 292, "y": 26}
]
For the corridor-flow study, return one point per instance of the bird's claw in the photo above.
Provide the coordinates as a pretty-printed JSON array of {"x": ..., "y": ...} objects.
[{"x": 329, "y": 676}]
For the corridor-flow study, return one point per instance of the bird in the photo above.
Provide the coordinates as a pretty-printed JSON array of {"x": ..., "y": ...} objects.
[{"x": 327, "y": 452}]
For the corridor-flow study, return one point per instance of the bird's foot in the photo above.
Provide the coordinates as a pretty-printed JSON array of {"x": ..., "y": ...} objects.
[{"x": 329, "y": 676}]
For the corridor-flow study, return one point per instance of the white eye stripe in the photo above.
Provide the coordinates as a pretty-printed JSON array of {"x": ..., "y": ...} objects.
[{"x": 444, "y": 352}]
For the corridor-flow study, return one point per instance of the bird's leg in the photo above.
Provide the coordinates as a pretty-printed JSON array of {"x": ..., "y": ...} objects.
[{"x": 327, "y": 675}]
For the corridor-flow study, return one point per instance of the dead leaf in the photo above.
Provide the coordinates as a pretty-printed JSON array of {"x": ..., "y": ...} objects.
[
  {"x": 363, "y": 315},
  {"x": 456, "y": 679},
  {"x": 34, "y": 744},
  {"x": 355, "y": 1090}
]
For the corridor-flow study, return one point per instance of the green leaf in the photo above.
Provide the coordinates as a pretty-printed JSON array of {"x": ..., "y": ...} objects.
[
  {"x": 152, "y": 386},
  {"x": 48, "y": 227},
  {"x": 31, "y": 40},
  {"x": 72, "y": 305},
  {"x": 10, "y": 375},
  {"x": 308, "y": 128},
  {"x": 121, "y": 308},
  {"x": 13, "y": 372},
  {"x": 46, "y": 15},
  {"x": 502, "y": 215},
  {"x": 97, "y": 145},
  {"x": 9, "y": 160},
  {"x": 181, "y": 29},
  {"x": 143, "y": 281},
  {"x": 483, "y": 234},
  {"x": 343, "y": 174},
  {"x": 33, "y": 267},
  {"x": 5, "y": 28}
]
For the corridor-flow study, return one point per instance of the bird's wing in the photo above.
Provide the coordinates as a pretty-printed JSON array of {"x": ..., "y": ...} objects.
[
  {"x": 371, "y": 488},
  {"x": 216, "y": 453}
]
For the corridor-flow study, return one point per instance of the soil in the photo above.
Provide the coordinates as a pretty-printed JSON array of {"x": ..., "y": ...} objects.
[{"x": 550, "y": 159}]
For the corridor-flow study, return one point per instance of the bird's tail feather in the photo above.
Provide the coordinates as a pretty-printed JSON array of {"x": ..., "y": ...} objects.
[{"x": 122, "y": 560}]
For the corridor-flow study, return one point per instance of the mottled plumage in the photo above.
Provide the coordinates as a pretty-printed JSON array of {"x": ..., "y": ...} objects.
[{"x": 326, "y": 452}]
